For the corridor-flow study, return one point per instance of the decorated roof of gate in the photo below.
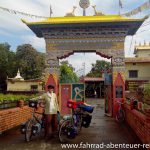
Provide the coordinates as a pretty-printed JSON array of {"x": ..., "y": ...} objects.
[
  {"x": 132, "y": 25},
  {"x": 83, "y": 19}
]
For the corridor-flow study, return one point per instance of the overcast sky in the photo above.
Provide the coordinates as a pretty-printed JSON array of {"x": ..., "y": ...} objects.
[{"x": 13, "y": 31}]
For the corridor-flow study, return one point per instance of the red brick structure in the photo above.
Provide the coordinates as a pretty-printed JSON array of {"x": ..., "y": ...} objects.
[
  {"x": 139, "y": 122},
  {"x": 13, "y": 117}
]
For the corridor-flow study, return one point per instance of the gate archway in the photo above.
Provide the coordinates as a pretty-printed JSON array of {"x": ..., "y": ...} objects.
[{"x": 104, "y": 35}]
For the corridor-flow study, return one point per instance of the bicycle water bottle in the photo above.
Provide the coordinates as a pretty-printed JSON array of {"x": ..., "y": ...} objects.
[{"x": 58, "y": 117}]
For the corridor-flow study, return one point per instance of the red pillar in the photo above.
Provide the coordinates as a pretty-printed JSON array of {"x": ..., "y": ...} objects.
[
  {"x": 118, "y": 91},
  {"x": 52, "y": 80}
]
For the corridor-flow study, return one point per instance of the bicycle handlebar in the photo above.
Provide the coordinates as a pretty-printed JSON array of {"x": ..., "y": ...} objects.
[{"x": 41, "y": 105}]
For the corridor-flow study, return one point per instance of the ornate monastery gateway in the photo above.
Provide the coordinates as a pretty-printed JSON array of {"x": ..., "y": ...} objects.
[{"x": 104, "y": 35}]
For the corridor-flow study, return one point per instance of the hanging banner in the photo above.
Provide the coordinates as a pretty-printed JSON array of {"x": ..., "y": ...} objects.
[
  {"x": 11, "y": 11},
  {"x": 143, "y": 7}
]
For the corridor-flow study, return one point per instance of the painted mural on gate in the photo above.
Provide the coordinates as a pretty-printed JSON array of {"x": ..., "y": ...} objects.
[
  {"x": 70, "y": 91},
  {"x": 78, "y": 92}
]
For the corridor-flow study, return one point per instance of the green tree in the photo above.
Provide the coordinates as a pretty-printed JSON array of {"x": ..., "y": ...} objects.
[
  {"x": 30, "y": 62},
  {"x": 67, "y": 73},
  {"x": 98, "y": 68},
  {"x": 7, "y": 64}
]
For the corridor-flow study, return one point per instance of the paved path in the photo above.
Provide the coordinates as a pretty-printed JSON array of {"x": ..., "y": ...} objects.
[{"x": 102, "y": 130}]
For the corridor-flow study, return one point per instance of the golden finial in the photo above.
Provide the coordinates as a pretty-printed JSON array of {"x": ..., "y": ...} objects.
[
  {"x": 70, "y": 14},
  {"x": 96, "y": 12}
]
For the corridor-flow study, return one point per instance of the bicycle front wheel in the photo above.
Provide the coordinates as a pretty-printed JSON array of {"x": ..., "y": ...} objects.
[
  {"x": 28, "y": 133},
  {"x": 120, "y": 116}
]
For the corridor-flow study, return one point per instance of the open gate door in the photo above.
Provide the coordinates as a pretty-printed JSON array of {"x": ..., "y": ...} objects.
[
  {"x": 68, "y": 91},
  {"x": 108, "y": 94},
  {"x": 65, "y": 95}
]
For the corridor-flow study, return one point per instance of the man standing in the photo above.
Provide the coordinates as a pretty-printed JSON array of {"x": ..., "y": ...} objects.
[{"x": 51, "y": 109}]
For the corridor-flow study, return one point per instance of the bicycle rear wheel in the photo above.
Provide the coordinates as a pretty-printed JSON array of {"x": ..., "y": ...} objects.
[
  {"x": 79, "y": 124},
  {"x": 63, "y": 136}
]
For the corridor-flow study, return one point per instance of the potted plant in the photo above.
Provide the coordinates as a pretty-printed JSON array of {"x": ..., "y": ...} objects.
[
  {"x": 146, "y": 109},
  {"x": 146, "y": 93},
  {"x": 140, "y": 94}
]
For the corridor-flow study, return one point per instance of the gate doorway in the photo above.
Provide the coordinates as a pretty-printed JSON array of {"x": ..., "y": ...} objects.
[{"x": 94, "y": 87}]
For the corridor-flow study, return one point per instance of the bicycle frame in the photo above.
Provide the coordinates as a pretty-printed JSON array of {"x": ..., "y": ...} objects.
[
  {"x": 120, "y": 106},
  {"x": 120, "y": 116},
  {"x": 71, "y": 126},
  {"x": 76, "y": 114},
  {"x": 34, "y": 125},
  {"x": 39, "y": 120}
]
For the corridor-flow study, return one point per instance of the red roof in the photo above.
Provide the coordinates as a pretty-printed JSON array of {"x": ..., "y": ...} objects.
[{"x": 92, "y": 79}]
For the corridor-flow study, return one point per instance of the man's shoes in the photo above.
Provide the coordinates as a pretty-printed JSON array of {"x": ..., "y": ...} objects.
[
  {"x": 46, "y": 138},
  {"x": 55, "y": 134},
  {"x": 51, "y": 136}
]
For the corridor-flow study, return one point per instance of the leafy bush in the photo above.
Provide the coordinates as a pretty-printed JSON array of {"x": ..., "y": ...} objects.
[
  {"x": 146, "y": 93},
  {"x": 11, "y": 97}
]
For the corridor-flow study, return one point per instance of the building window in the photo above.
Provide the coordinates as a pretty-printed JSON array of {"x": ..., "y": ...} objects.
[
  {"x": 133, "y": 73},
  {"x": 119, "y": 92},
  {"x": 134, "y": 64},
  {"x": 34, "y": 87}
]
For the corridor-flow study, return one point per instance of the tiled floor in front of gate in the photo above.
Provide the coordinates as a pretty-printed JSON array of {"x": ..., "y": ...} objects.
[{"x": 103, "y": 129}]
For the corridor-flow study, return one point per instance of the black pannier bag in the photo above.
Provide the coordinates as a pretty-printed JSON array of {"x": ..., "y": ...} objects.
[
  {"x": 71, "y": 132},
  {"x": 86, "y": 108},
  {"x": 33, "y": 104},
  {"x": 86, "y": 120},
  {"x": 23, "y": 128}
]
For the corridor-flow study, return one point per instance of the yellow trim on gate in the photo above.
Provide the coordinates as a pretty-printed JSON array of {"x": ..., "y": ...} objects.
[{"x": 82, "y": 19}]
